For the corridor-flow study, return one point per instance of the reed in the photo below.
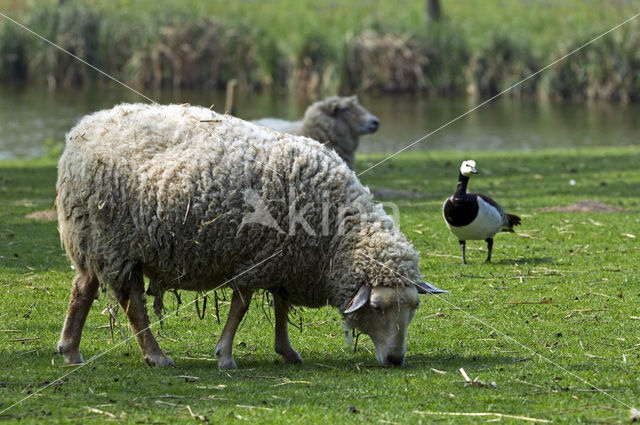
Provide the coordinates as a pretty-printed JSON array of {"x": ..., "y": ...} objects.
[
  {"x": 606, "y": 71},
  {"x": 323, "y": 47}
]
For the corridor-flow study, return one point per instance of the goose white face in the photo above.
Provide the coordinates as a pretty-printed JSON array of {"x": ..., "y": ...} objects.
[{"x": 468, "y": 167}]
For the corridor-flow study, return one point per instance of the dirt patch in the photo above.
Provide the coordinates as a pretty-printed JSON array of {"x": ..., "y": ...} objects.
[
  {"x": 46, "y": 215},
  {"x": 386, "y": 193},
  {"x": 585, "y": 205},
  {"x": 29, "y": 203}
]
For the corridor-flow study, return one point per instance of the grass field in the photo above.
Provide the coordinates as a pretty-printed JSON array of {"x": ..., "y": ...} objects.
[{"x": 554, "y": 317}]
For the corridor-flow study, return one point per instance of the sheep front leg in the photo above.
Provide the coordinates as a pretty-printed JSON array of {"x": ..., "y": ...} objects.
[
  {"x": 135, "y": 308},
  {"x": 83, "y": 292},
  {"x": 282, "y": 344},
  {"x": 240, "y": 301}
]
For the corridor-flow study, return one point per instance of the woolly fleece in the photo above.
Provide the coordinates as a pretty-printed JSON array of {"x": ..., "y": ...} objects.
[{"x": 162, "y": 190}]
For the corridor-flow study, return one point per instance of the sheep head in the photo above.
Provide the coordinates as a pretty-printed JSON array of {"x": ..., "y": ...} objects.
[
  {"x": 384, "y": 313},
  {"x": 348, "y": 110}
]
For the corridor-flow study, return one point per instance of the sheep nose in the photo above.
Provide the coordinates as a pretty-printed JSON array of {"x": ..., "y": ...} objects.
[
  {"x": 395, "y": 360},
  {"x": 373, "y": 125}
]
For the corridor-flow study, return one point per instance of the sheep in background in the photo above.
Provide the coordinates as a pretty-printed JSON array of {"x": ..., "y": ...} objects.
[
  {"x": 337, "y": 122},
  {"x": 196, "y": 200}
]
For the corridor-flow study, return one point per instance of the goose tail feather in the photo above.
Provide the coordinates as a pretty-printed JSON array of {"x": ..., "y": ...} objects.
[{"x": 511, "y": 220}]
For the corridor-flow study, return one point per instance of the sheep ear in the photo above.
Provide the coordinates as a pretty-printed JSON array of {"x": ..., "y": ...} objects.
[
  {"x": 360, "y": 299},
  {"x": 427, "y": 288},
  {"x": 334, "y": 107}
]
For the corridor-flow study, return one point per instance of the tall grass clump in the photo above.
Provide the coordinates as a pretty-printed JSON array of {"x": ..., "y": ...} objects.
[
  {"x": 608, "y": 70},
  {"x": 178, "y": 49},
  {"x": 453, "y": 52},
  {"x": 502, "y": 63},
  {"x": 203, "y": 53},
  {"x": 387, "y": 62},
  {"x": 317, "y": 65},
  {"x": 395, "y": 62},
  {"x": 72, "y": 26},
  {"x": 13, "y": 51},
  {"x": 272, "y": 59}
]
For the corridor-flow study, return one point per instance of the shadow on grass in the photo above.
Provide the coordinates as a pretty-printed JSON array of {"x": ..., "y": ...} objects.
[
  {"x": 356, "y": 364},
  {"x": 454, "y": 361},
  {"x": 524, "y": 261}
]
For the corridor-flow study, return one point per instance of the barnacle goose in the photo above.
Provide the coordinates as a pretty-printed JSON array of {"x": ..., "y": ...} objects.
[{"x": 472, "y": 216}]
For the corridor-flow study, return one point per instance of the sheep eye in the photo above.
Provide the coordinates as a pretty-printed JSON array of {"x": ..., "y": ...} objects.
[{"x": 376, "y": 307}]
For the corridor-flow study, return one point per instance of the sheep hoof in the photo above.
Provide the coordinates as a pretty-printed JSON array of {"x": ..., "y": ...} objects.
[
  {"x": 227, "y": 364},
  {"x": 159, "y": 360},
  {"x": 292, "y": 357},
  {"x": 289, "y": 355},
  {"x": 293, "y": 360},
  {"x": 72, "y": 357}
]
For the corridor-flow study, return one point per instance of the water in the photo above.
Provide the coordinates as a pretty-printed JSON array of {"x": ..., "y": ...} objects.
[{"x": 31, "y": 115}]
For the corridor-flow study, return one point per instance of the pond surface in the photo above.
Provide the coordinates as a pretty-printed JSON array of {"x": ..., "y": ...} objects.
[{"x": 31, "y": 115}]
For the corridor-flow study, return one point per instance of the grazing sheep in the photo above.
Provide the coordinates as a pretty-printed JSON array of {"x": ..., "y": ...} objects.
[
  {"x": 196, "y": 200},
  {"x": 337, "y": 121}
]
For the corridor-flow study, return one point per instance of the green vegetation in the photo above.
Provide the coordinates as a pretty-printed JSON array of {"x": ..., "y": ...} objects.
[
  {"x": 481, "y": 47},
  {"x": 565, "y": 286}
]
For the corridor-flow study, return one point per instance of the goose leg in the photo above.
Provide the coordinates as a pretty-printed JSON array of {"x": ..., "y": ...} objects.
[
  {"x": 463, "y": 244},
  {"x": 489, "y": 248}
]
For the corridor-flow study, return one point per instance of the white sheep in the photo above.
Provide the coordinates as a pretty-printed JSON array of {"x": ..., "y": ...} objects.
[
  {"x": 337, "y": 122},
  {"x": 196, "y": 200}
]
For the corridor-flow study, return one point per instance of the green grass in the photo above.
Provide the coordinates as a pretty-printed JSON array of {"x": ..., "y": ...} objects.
[{"x": 564, "y": 287}]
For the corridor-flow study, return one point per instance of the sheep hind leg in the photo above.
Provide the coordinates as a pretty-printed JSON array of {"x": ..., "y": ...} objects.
[
  {"x": 83, "y": 291},
  {"x": 282, "y": 344},
  {"x": 240, "y": 301},
  {"x": 134, "y": 306}
]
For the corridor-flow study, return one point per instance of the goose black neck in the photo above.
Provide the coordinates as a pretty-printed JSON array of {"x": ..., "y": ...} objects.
[{"x": 461, "y": 191}]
